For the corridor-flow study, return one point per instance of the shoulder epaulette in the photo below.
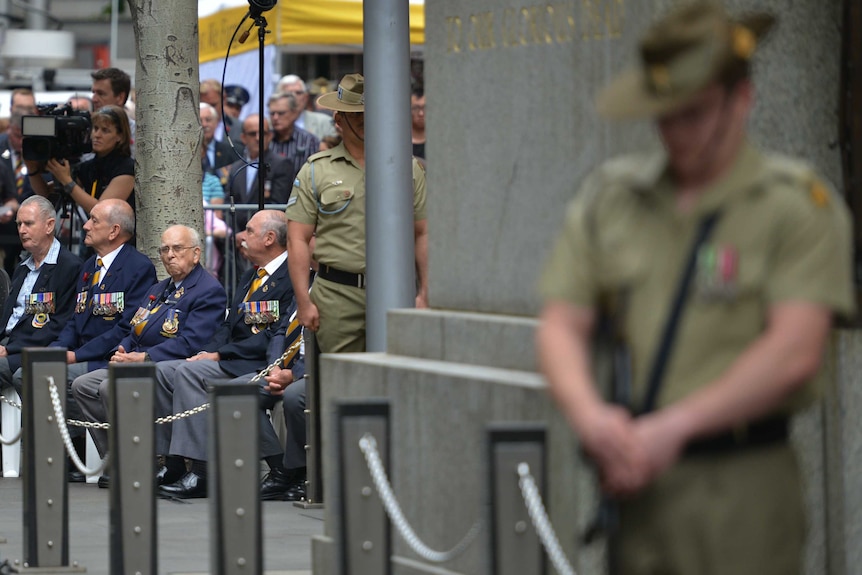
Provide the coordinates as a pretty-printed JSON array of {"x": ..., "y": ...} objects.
[
  {"x": 799, "y": 175},
  {"x": 318, "y": 155}
]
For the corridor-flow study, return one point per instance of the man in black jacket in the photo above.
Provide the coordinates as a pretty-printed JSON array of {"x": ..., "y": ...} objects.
[{"x": 43, "y": 289}]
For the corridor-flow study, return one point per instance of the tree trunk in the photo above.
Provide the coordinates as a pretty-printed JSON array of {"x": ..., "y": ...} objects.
[{"x": 167, "y": 139}]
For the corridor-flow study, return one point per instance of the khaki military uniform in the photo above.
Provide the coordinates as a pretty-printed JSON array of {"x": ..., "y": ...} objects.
[
  {"x": 329, "y": 193},
  {"x": 782, "y": 236}
]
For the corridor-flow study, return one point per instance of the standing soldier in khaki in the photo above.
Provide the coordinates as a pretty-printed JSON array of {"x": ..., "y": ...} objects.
[
  {"x": 722, "y": 268},
  {"x": 328, "y": 204}
]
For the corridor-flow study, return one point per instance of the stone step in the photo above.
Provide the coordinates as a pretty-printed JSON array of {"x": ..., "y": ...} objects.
[{"x": 492, "y": 340}]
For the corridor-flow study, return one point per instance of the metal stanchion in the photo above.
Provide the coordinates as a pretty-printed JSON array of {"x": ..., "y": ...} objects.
[
  {"x": 365, "y": 543},
  {"x": 515, "y": 546},
  {"x": 133, "y": 453},
  {"x": 313, "y": 451},
  {"x": 44, "y": 469},
  {"x": 234, "y": 463}
]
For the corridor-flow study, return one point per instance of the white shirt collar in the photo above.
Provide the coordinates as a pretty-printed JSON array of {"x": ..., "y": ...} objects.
[
  {"x": 275, "y": 264},
  {"x": 109, "y": 258}
]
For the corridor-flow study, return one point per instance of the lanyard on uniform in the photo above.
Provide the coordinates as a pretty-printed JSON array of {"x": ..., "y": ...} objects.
[{"x": 317, "y": 199}]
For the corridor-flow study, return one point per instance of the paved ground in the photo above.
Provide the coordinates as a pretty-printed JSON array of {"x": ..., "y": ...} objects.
[{"x": 183, "y": 531}]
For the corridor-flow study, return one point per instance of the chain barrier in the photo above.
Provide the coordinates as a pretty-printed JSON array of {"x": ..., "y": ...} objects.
[
  {"x": 14, "y": 440},
  {"x": 368, "y": 445},
  {"x": 539, "y": 517},
  {"x": 14, "y": 404},
  {"x": 64, "y": 433},
  {"x": 199, "y": 409}
]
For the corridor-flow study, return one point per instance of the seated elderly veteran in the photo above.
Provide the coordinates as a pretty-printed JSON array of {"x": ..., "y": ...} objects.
[
  {"x": 239, "y": 346},
  {"x": 42, "y": 297},
  {"x": 116, "y": 274},
  {"x": 177, "y": 317},
  {"x": 286, "y": 478}
]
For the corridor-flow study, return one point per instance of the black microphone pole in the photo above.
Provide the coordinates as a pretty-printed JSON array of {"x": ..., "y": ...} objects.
[
  {"x": 261, "y": 154},
  {"x": 256, "y": 10}
]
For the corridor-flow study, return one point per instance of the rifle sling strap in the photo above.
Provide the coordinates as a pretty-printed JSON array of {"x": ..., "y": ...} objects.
[{"x": 662, "y": 356}]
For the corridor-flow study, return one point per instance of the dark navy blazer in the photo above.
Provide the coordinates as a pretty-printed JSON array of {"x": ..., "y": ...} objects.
[
  {"x": 93, "y": 338},
  {"x": 240, "y": 349},
  {"x": 53, "y": 278},
  {"x": 199, "y": 305}
]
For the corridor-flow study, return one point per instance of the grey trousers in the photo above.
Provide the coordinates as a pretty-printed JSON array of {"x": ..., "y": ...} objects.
[
  {"x": 293, "y": 401},
  {"x": 184, "y": 385},
  {"x": 91, "y": 392}
]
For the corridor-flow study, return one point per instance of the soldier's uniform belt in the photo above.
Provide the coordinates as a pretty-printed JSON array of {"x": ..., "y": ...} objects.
[
  {"x": 759, "y": 433},
  {"x": 340, "y": 277}
]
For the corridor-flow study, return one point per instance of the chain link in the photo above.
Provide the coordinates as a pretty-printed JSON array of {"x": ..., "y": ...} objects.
[
  {"x": 14, "y": 404},
  {"x": 540, "y": 520},
  {"x": 287, "y": 353},
  {"x": 14, "y": 440},
  {"x": 368, "y": 445},
  {"x": 189, "y": 412},
  {"x": 64, "y": 433}
]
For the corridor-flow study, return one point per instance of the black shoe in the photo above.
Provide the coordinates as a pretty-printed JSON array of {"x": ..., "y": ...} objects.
[
  {"x": 104, "y": 482},
  {"x": 282, "y": 485},
  {"x": 76, "y": 476},
  {"x": 190, "y": 486},
  {"x": 166, "y": 476},
  {"x": 296, "y": 491}
]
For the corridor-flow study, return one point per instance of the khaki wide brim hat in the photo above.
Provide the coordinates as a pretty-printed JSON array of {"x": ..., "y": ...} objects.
[
  {"x": 349, "y": 97},
  {"x": 682, "y": 54}
]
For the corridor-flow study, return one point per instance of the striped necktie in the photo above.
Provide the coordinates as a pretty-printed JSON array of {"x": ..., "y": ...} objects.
[
  {"x": 98, "y": 273},
  {"x": 20, "y": 171},
  {"x": 255, "y": 284},
  {"x": 292, "y": 341}
]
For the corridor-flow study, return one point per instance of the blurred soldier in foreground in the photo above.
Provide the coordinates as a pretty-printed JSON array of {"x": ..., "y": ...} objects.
[{"x": 721, "y": 268}]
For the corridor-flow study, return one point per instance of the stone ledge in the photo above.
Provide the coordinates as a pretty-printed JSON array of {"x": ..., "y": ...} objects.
[{"x": 493, "y": 340}]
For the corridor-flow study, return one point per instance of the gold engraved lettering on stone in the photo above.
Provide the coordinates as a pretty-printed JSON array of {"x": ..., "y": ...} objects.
[
  {"x": 510, "y": 25},
  {"x": 482, "y": 31},
  {"x": 454, "y": 30},
  {"x": 602, "y": 19},
  {"x": 536, "y": 24},
  {"x": 562, "y": 19}
]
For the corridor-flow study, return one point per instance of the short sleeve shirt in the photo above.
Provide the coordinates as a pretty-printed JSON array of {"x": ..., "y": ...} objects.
[
  {"x": 96, "y": 174},
  {"x": 329, "y": 193},
  {"x": 782, "y": 235}
]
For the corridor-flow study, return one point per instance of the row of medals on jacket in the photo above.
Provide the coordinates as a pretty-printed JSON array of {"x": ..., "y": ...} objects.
[{"x": 258, "y": 314}]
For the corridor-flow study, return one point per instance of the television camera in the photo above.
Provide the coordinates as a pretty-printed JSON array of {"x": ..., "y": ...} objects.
[{"x": 60, "y": 132}]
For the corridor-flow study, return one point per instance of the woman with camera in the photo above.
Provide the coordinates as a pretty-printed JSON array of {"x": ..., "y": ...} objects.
[{"x": 110, "y": 174}]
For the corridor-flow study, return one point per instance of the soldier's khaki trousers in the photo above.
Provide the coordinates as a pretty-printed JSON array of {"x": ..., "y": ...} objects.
[
  {"x": 729, "y": 514},
  {"x": 342, "y": 316}
]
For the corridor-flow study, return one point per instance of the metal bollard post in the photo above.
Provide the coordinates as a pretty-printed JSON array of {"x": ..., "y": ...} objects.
[
  {"x": 234, "y": 480},
  {"x": 44, "y": 469},
  {"x": 365, "y": 545},
  {"x": 132, "y": 455},
  {"x": 515, "y": 546},
  {"x": 314, "y": 455}
]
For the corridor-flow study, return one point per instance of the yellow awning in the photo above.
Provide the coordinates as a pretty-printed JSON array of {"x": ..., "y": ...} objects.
[{"x": 297, "y": 22}]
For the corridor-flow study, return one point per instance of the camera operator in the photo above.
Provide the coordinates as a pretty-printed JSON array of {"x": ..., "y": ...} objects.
[{"x": 110, "y": 174}]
